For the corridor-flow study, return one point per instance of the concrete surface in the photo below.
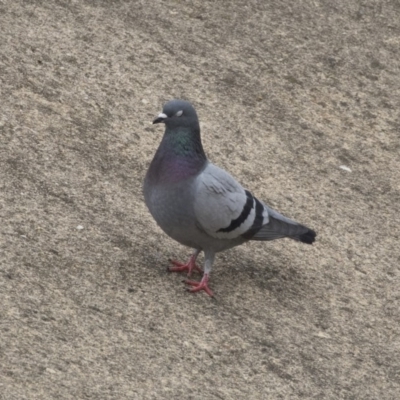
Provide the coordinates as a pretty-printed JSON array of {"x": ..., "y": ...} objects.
[{"x": 287, "y": 92}]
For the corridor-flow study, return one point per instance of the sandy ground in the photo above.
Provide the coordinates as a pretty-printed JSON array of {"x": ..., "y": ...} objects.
[{"x": 287, "y": 92}]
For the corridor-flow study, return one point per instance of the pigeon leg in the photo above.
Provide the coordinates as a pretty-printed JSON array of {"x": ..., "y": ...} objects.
[
  {"x": 189, "y": 266},
  {"x": 203, "y": 284}
]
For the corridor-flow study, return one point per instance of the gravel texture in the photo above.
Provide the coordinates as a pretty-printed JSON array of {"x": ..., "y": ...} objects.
[{"x": 298, "y": 100}]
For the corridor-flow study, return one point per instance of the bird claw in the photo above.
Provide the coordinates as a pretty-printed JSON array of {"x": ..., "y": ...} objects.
[
  {"x": 181, "y": 267},
  {"x": 197, "y": 286}
]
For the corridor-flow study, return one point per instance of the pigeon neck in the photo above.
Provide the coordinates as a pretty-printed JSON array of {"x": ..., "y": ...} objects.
[
  {"x": 180, "y": 155},
  {"x": 183, "y": 142}
]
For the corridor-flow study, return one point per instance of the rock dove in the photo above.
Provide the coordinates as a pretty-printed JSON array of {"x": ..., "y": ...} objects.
[{"x": 200, "y": 205}]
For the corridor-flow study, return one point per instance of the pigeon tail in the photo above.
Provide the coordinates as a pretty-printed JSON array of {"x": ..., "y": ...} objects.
[
  {"x": 278, "y": 228},
  {"x": 308, "y": 237}
]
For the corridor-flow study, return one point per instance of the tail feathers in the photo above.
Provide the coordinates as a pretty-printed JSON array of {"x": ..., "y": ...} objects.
[
  {"x": 308, "y": 237},
  {"x": 278, "y": 228}
]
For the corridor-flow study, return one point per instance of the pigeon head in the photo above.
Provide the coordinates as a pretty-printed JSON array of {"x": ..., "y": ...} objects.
[{"x": 178, "y": 113}]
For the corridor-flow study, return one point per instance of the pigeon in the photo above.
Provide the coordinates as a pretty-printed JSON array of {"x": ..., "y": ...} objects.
[{"x": 199, "y": 204}]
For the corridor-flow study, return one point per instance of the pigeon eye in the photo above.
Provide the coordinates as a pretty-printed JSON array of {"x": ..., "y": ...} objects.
[{"x": 179, "y": 113}]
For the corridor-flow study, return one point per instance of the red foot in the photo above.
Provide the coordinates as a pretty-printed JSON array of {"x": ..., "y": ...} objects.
[
  {"x": 189, "y": 266},
  {"x": 202, "y": 285}
]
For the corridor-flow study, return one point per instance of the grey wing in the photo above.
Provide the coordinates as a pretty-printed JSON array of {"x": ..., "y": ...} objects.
[{"x": 223, "y": 208}]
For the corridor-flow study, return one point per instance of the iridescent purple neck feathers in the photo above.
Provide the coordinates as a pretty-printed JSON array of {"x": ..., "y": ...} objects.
[{"x": 180, "y": 156}]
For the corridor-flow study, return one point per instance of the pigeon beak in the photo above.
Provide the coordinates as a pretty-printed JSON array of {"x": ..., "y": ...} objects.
[{"x": 160, "y": 118}]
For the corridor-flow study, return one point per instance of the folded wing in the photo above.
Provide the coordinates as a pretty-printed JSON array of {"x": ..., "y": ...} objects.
[{"x": 225, "y": 210}]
